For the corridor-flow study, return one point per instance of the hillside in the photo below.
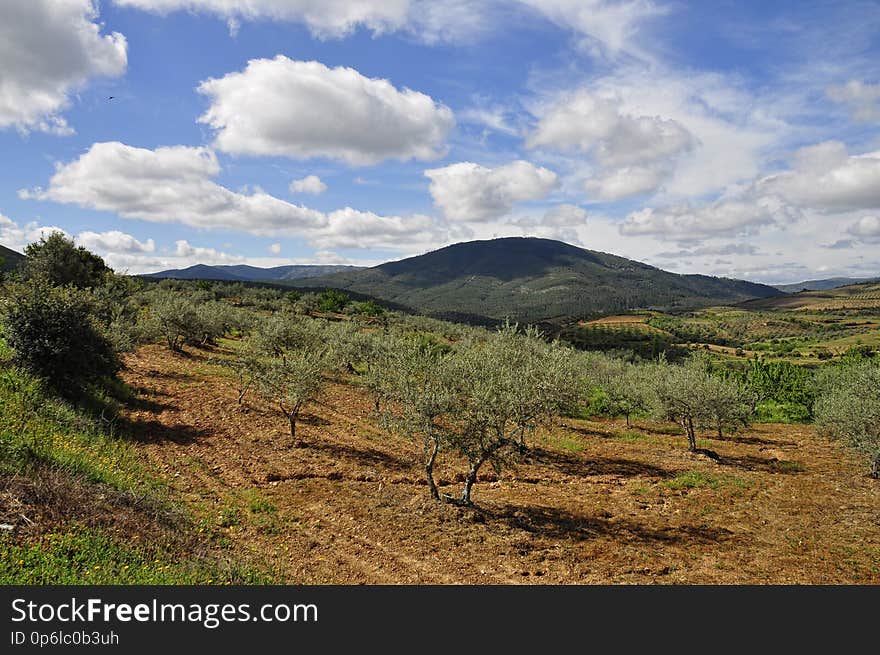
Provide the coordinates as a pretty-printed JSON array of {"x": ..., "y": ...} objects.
[
  {"x": 245, "y": 273},
  {"x": 823, "y": 285},
  {"x": 534, "y": 279},
  {"x": 10, "y": 259},
  {"x": 861, "y": 296}
]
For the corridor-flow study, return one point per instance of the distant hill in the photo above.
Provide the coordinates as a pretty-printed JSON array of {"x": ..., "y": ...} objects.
[
  {"x": 862, "y": 296},
  {"x": 824, "y": 285},
  {"x": 244, "y": 273},
  {"x": 11, "y": 259},
  {"x": 531, "y": 279}
]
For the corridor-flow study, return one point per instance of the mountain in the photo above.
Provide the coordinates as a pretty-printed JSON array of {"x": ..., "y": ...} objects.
[
  {"x": 531, "y": 279},
  {"x": 824, "y": 285},
  {"x": 245, "y": 273},
  {"x": 11, "y": 259}
]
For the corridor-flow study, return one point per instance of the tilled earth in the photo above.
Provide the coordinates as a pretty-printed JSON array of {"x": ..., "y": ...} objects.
[{"x": 591, "y": 501}]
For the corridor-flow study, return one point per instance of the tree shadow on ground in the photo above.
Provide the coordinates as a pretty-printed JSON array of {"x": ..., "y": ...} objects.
[
  {"x": 152, "y": 431},
  {"x": 587, "y": 432},
  {"x": 580, "y": 466},
  {"x": 169, "y": 375},
  {"x": 144, "y": 403},
  {"x": 313, "y": 419},
  {"x": 558, "y": 523},
  {"x": 365, "y": 455},
  {"x": 763, "y": 464},
  {"x": 754, "y": 441}
]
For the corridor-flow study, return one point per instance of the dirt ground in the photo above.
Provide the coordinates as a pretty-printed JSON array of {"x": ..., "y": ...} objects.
[{"x": 591, "y": 502}]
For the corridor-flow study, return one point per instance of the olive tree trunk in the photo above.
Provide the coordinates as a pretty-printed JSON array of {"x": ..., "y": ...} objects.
[{"x": 429, "y": 467}]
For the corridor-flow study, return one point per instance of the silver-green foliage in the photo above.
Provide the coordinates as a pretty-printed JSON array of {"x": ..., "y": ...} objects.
[
  {"x": 482, "y": 398},
  {"x": 290, "y": 382},
  {"x": 848, "y": 408},
  {"x": 694, "y": 396},
  {"x": 422, "y": 383},
  {"x": 629, "y": 389}
]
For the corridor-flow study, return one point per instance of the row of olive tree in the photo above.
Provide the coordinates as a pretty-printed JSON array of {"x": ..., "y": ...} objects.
[{"x": 848, "y": 407}]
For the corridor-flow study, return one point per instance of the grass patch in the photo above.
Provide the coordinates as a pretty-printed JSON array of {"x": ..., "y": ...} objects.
[
  {"x": 36, "y": 428},
  {"x": 257, "y": 504},
  {"x": 771, "y": 411},
  {"x": 691, "y": 480},
  {"x": 633, "y": 436},
  {"x": 91, "y": 556},
  {"x": 569, "y": 444},
  {"x": 788, "y": 466}
]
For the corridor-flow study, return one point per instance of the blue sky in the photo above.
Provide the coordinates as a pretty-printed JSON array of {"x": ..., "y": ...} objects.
[{"x": 731, "y": 138}]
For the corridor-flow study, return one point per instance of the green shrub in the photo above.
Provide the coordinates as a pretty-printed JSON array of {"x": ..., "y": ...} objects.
[
  {"x": 53, "y": 334},
  {"x": 56, "y": 260},
  {"x": 333, "y": 301}
]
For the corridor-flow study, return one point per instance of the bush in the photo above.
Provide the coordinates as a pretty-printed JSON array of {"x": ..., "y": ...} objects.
[
  {"x": 368, "y": 308},
  {"x": 333, "y": 301},
  {"x": 53, "y": 334}
]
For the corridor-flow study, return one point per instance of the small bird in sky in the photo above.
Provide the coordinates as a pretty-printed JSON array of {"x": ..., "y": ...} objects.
[{"x": 111, "y": 97}]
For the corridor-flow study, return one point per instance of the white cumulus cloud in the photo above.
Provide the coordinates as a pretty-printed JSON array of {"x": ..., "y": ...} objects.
[
  {"x": 826, "y": 178},
  {"x": 470, "y": 192},
  {"x": 687, "y": 222},
  {"x": 565, "y": 216},
  {"x": 309, "y": 184},
  {"x": 597, "y": 125},
  {"x": 626, "y": 182},
  {"x": 303, "y": 109},
  {"x": 174, "y": 185},
  {"x": 17, "y": 237},
  {"x": 866, "y": 227},
  {"x": 612, "y": 25},
  {"x": 49, "y": 49},
  {"x": 114, "y": 241}
]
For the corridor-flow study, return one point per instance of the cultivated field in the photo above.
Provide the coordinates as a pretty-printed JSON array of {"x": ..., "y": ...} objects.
[{"x": 591, "y": 502}]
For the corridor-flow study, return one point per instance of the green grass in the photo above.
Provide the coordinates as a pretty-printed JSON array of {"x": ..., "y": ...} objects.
[
  {"x": 633, "y": 436},
  {"x": 35, "y": 427},
  {"x": 691, "y": 480},
  {"x": 39, "y": 432},
  {"x": 567, "y": 443},
  {"x": 698, "y": 479},
  {"x": 89, "y": 556},
  {"x": 771, "y": 411}
]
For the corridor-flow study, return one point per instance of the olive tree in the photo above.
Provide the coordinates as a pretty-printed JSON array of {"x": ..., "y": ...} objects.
[
  {"x": 728, "y": 403},
  {"x": 627, "y": 388},
  {"x": 285, "y": 332},
  {"x": 505, "y": 387},
  {"x": 679, "y": 392},
  {"x": 421, "y": 381},
  {"x": 693, "y": 395},
  {"x": 175, "y": 316},
  {"x": 848, "y": 408},
  {"x": 290, "y": 382}
]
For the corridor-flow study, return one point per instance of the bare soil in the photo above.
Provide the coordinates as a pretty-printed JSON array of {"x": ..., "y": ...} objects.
[{"x": 591, "y": 502}]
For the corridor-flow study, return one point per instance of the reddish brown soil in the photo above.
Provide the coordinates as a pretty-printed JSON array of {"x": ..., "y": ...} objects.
[{"x": 590, "y": 503}]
